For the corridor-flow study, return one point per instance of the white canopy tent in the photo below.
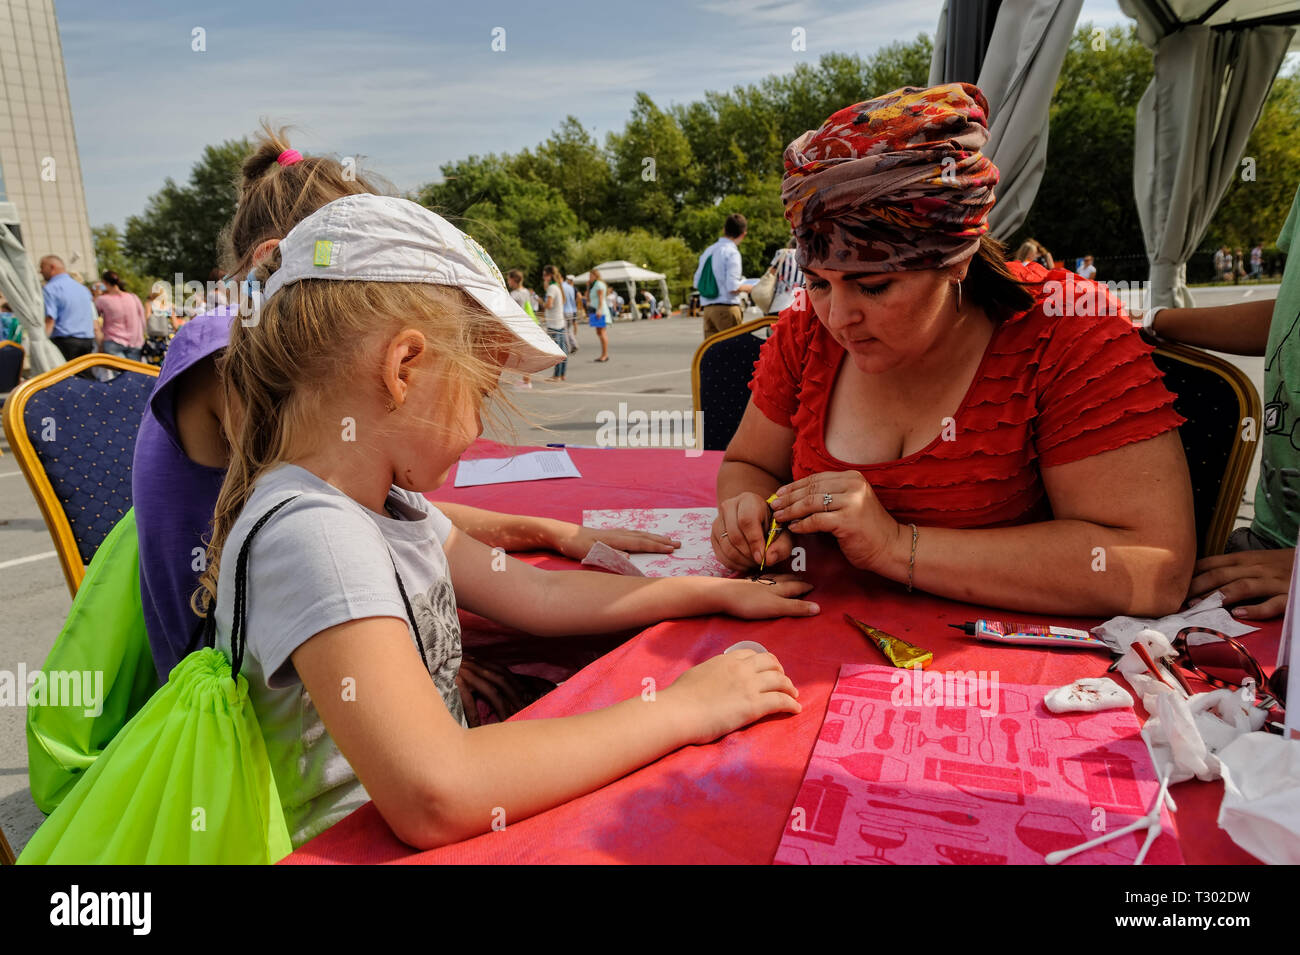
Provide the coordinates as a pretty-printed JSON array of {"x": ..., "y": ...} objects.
[
  {"x": 21, "y": 286},
  {"x": 623, "y": 272},
  {"x": 1215, "y": 61}
]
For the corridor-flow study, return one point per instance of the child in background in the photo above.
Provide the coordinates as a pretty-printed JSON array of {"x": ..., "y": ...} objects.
[{"x": 352, "y": 639}]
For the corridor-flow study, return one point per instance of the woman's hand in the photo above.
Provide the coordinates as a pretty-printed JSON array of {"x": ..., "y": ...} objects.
[
  {"x": 1256, "y": 575},
  {"x": 740, "y": 532},
  {"x": 576, "y": 541},
  {"x": 732, "y": 690},
  {"x": 765, "y": 597},
  {"x": 841, "y": 503}
]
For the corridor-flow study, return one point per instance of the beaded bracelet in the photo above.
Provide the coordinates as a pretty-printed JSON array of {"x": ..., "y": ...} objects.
[{"x": 911, "y": 564}]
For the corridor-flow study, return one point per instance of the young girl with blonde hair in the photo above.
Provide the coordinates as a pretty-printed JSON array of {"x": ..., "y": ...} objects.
[{"x": 359, "y": 384}]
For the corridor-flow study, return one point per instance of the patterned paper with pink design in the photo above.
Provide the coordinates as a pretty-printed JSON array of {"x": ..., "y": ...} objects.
[
  {"x": 946, "y": 785},
  {"x": 693, "y": 526}
]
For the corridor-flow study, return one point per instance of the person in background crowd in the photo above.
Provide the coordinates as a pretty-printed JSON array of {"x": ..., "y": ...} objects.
[
  {"x": 1222, "y": 264},
  {"x": 1256, "y": 261},
  {"x": 556, "y": 324},
  {"x": 789, "y": 278},
  {"x": 159, "y": 326},
  {"x": 69, "y": 310},
  {"x": 1238, "y": 266},
  {"x": 723, "y": 277},
  {"x": 598, "y": 303},
  {"x": 524, "y": 298},
  {"x": 1254, "y": 574},
  {"x": 1088, "y": 270},
  {"x": 570, "y": 314},
  {"x": 122, "y": 319}
]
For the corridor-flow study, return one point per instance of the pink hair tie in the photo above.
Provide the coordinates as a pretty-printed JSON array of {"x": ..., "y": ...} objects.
[{"x": 289, "y": 157}]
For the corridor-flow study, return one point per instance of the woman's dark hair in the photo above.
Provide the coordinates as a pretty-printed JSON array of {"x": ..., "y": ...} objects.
[
  {"x": 109, "y": 276},
  {"x": 990, "y": 284}
]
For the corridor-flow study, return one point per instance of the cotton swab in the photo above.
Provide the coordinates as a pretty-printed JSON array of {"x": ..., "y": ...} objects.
[{"x": 1150, "y": 822}]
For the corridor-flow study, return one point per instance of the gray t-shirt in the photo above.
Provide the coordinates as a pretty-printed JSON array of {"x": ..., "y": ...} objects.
[{"x": 320, "y": 561}]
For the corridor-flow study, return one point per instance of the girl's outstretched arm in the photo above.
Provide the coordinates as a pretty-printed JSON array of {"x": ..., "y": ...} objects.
[
  {"x": 436, "y": 782},
  {"x": 564, "y": 602}
]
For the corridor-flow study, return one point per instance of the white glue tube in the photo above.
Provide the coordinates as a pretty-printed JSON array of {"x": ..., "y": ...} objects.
[{"x": 1030, "y": 634}]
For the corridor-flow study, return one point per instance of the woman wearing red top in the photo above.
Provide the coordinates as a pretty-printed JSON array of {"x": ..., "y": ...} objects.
[{"x": 989, "y": 432}]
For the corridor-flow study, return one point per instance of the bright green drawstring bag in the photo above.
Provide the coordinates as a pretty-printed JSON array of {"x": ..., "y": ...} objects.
[
  {"x": 187, "y": 781},
  {"x": 103, "y": 646}
]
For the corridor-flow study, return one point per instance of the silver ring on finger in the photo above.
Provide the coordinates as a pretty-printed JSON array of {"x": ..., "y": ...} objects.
[
  {"x": 826, "y": 502},
  {"x": 723, "y": 534}
]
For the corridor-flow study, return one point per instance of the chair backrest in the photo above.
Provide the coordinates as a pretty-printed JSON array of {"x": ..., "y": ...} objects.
[
  {"x": 1223, "y": 412},
  {"x": 11, "y": 365},
  {"x": 720, "y": 377},
  {"x": 74, "y": 439}
]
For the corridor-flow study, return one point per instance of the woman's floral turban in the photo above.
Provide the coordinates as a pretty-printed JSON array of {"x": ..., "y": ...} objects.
[{"x": 897, "y": 182}]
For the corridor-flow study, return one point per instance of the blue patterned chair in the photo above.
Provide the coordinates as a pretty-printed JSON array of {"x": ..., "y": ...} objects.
[
  {"x": 74, "y": 439},
  {"x": 1224, "y": 422},
  {"x": 720, "y": 377},
  {"x": 11, "y": 365}
]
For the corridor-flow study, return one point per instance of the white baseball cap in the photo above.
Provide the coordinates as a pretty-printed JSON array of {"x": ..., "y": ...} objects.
[{"x": 368, "y": 238}]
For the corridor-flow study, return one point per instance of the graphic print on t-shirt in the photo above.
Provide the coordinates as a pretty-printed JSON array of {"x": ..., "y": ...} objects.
[{"x": 435, "y": 615}]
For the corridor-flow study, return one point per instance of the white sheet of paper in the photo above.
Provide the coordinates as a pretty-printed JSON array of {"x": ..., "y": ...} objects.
[{"x": 533, "y": 466}]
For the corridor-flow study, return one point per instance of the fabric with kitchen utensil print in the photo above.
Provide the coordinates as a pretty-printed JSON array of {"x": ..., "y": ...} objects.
[
  {"x": 692, "y": 526},
  {"x": 982, "y": 780}
]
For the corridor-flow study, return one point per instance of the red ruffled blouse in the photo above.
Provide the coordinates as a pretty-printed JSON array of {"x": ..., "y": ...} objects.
[{"x": 1051, "y": 389}]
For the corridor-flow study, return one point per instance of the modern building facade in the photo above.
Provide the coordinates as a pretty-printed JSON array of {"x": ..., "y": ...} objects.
[{"x": 40, "y": 171}]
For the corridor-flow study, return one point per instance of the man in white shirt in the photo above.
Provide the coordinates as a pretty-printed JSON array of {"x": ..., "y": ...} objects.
[
  {"x": 722, "y": 310},
  {"x": 1088, "y": 270}
]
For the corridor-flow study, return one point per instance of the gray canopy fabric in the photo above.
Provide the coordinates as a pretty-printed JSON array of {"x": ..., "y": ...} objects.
[
  {"x": 22, "y": 289},
  {"x": 1193, "y": 121},
  {"x": 1018, "y": 75}
]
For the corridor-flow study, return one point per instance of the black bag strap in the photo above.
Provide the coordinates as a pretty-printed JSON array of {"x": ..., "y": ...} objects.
[{"x": 239, "y": 613}]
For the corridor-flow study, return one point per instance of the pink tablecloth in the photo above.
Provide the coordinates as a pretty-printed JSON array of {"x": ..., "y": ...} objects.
[{"x": 727, "y": 802}]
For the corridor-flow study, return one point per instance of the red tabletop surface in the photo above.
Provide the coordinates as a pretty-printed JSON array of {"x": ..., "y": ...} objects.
[{"x": 727, "y": 802}]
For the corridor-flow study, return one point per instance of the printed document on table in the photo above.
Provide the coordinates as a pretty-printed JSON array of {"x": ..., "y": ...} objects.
[{"x": 534, "y": 466}]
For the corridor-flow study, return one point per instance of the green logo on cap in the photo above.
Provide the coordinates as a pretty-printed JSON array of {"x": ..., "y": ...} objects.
[{"x": 324, "y": 248}]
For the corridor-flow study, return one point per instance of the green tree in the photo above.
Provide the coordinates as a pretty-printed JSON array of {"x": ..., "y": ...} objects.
[
  {"x": 652, "y": 167},
  {"x": 1085, "y": 203},
  {"x": 572, "y": 163},
  {"x": 761, "y": 206},
  {"x": 1259, "y": 198},
  {"x": 523, "y": 223},
  {"x": 181, "y": 224}
]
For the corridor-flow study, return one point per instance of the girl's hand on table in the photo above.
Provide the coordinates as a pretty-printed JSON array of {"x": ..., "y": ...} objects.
[
  {"x": 768, "y": 596},
  {"x": 740, "y": 531},
  {"x": 577, "y": 543},
  {"x": 1255, "y": 575},
  {"x": 861, "y": 525},
  {"x": 729, "y": 691}
]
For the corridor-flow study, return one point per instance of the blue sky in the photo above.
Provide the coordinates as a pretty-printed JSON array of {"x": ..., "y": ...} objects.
[{"x": 409, "y": 85}]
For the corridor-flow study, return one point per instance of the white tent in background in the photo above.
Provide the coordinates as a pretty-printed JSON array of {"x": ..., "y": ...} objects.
[
  {"x": 1214, "y": 65},
  {"x": 21, "y": 286},
  {"x": 623, "y": 272}
]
